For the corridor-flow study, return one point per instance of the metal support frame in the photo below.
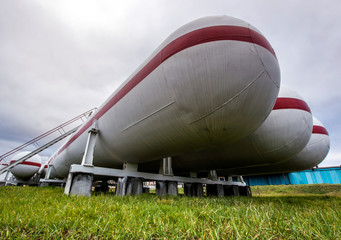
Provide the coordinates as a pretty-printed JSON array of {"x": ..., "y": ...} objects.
[
  {"x": 90, "y": 145},
  {"x": 4, "y": 178},
  {"x": 67, "y": 188},
  {"x": 111, "y": 172},
  {"x": 130, "y": 181},
  {"x": 48, "y": 171},
  {"x": 80, "y": 183},
  {"x": 166, "y": 166},
  {"x": 212, "y": 174}
]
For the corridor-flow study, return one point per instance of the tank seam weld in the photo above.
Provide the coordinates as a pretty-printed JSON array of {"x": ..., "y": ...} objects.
[
  {"x": 230, "y": 100},
  {"x": 151, "y": 114}
]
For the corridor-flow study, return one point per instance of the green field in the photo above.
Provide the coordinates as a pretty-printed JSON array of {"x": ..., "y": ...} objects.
[{"x": 275, "y": 212}]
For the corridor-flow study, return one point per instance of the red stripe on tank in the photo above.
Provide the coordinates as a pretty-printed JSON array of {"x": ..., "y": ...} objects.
[
  {"x": 200, "y": 36},
  {"x": 320, "y": 130},
  {"x": 291, "y": 103},
  {"x": 28, "y": 163}
]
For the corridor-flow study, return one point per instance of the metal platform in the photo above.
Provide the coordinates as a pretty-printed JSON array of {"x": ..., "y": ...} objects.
[{"x": 130, "y": 182}]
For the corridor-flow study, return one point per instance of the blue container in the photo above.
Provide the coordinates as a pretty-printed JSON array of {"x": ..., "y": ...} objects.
[{"x": 331, "y": 175}]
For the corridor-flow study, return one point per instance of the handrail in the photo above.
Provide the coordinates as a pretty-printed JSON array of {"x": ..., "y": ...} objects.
[
  {"x": 34, "y": 140},
  {"x": 31, "y": 154}
]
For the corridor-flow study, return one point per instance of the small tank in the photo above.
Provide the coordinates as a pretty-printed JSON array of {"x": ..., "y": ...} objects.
[
  {"x": 25, "y": 170},
  {"x": 286, "y": 130},
  {"x": 315, "y": 151}
]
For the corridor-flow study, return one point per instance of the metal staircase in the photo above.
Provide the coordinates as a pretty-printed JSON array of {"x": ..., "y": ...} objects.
[{"x": 44, "y": 135}]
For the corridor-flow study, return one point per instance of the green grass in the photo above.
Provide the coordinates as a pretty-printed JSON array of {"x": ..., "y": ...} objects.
[
  {"x": 46, "y": 213},
  {"x": 298, "y": 190}
]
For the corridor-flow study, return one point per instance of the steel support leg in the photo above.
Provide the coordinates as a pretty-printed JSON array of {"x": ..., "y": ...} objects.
[
  {"x": 67, "y": 188},
  {"x": 134, "y": 186},
  {"x": 166, "y": 166},
  {"x": 90, "y": 145},
  {"x": 213, "y": 175},
  {"x": 81, "y": 183}
]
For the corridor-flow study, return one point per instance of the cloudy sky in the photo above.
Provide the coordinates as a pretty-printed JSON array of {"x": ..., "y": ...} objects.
[{"x": 61, "y": 58}]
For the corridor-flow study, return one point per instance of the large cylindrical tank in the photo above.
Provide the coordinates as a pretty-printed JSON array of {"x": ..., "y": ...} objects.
[
  {"x": 284, "y": 133},
  {"x": 315, "y": 151},
  {"x": 312, "y": 154},
  {"x": 212, "y": 81},
  {"x": 26, "y": 169},
  {"x": 286, "y": 130}
]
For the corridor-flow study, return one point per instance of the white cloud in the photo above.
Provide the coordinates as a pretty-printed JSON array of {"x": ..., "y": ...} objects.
[{"x": 333, "y": 159}]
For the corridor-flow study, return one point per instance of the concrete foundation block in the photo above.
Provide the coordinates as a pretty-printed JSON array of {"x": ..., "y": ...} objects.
[
  {"x": 161, "y": 188},
  {"x": 81, "y": 184},
  {"x": 138, "y": 186},
  {"x": 193, "y": 189},
  {"x": 121, "y": 186},
  {"x": 236, "y": 191},
  {"x": 220, "y": 190},
  {"x": 134, "y": 186},
  {"x": 172, "y": 188},
  {"x": 130, "y": 183},
  {"x": 188, "y": 190}
]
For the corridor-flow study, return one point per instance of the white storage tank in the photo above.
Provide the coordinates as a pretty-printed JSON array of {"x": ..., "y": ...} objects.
[
  {"x": 286, "y": 130},
  {"x": 26, "y": 169},
  {"x": 282, "y": 135},
  {"x": 314, "y": 152},
  {"x": 213, "y": 81}
]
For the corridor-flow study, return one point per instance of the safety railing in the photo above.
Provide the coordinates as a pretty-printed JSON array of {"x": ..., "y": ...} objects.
[{"x": 48, "y": 133}]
